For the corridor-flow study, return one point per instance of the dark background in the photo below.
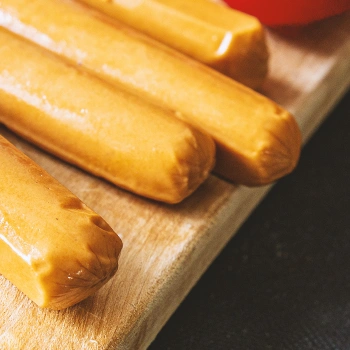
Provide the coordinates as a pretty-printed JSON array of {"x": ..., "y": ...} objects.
[{"x": 283, "y": 281}]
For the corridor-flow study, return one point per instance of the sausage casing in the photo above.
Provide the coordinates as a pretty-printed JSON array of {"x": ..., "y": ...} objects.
[
  {"x": 229, "y": 41},
  {"x": 106, "y": 131},
  {"x": 257, "y": 141},
  {"x": 52, "y": 246}
]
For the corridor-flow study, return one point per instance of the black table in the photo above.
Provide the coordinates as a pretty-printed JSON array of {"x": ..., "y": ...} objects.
[{"x": 283, "y": 281}]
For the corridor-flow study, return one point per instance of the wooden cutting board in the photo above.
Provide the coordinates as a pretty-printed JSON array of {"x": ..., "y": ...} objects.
[{"x": 167, "y": 248}]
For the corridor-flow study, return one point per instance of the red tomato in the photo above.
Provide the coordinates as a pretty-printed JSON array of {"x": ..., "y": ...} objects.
[{"x": 289, "y": 12}]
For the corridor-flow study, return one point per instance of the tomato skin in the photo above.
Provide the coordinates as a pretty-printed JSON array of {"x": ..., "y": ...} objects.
[{"x": 289, "y": 12}]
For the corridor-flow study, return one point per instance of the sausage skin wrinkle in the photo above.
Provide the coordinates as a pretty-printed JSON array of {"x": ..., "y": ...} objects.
[{"x": 53, "y": 247}]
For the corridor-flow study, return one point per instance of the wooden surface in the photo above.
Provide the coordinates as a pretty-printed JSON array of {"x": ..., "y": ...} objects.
[{"x": 167, "y": 248}]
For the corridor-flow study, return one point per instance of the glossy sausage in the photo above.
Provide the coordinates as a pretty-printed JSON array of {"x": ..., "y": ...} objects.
[
  {"x": 257, "y": 141},
  {"x": 52, "y": 246},
  {"x": 106, "y": 131},
  {"x": 229, "y": 41}
]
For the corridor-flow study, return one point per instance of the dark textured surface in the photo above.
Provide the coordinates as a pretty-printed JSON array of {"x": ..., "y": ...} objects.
[{"x": 283, "y": 282}]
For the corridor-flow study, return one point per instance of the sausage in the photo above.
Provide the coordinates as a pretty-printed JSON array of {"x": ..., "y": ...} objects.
[
  {"x": 227, "y": 40},
  {"x": 257, "y": 141},
  {"x": 53, "y": 247},
  {"x": 108, "y": 132}
]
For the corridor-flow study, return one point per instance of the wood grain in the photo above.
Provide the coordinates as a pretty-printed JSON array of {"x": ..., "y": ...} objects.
[{"x": 167, "y": 248}]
